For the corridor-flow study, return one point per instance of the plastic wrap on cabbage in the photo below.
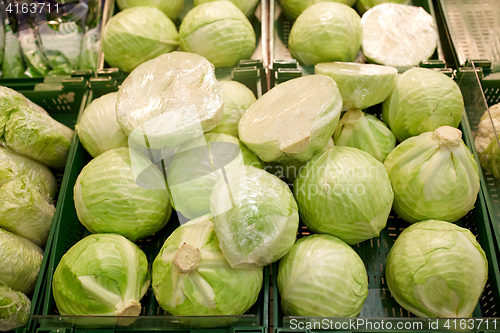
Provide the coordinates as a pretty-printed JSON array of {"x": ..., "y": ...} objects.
[
  {"x": 171, "y": 8},
  {"x": 246, "y": 6},
  {"x": 487, "y": 144},
  {"x": 191, "y": 277},
  {"x": 26, "y": 210},
  {"x": 109, "y": 200},
  {"x": 363, "y": 5},
  {"x": 434, "y": 176},
  {"x": 293, "y": 8},
  {"x": 91, "y": 41},
  {"x": 98, "y": 128},
  {"x": 2, "y": 34},
  {"x": 237, "y": 99},
  {"x": 136, "y": 35},
  {"x": 423, "y": 100},
  {"x": 14, "y": 308},
  {"x": 305, "y": 113},
  {"x": 33, "y": 56},
  {"x": 219, "y": 31},
  {"x": 325, "y": 32},
  {"x": 10, "y": 100},
  {"x": 255, "y": 217},
  {"x": 346, "y": 193},
  {"x": 366, "y": 132},
  {"x": 197, "y": 166},
  {"x": 398, "y": 35},
  {"x": 437, "y": 269},
  {"x": 361, "y": 85},
  {"x": 322, "y": 276},
  {"x": 12, "y": 65},
  {"x": 13, "y": 166},
  {"x": 20, "y": 262},
  {"x": 171, "y": 100},
  {"x": 103, "y": 274}
]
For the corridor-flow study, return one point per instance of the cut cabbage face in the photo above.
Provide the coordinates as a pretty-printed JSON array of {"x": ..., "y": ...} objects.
[
  {"x": 292, "y": 121},
  {"x": 398, "y": 35},
  {"x": 361, "y": 85}
]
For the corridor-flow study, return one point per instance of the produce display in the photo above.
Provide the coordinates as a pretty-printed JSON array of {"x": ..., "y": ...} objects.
[{"x": 487, "y": 144}]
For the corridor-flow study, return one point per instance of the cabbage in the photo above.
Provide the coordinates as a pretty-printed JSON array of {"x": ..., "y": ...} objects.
[
  {"x": 423, "y": 100},
  {"x": 219, "y": 31},
  {"x": 246, "y": 6},
  {"x": 366, "y": 132},
  {"x": 361, "y": 85},
  {"x": 196, "y": 168},
  {"x": 11, "y": 100},
  {"x": 255, "y": 217},
  {"x": 434, "y": 176},
  {"x": 292, "y": 121},
  {"x": 293, "y": 8},
  {"x": 13, "y": 166},
  {"x": 12, "y": 65},
  {"x": 398, "y": 35},
  {"x": 137, "y": 35},
  {"x": 170, "y": 100},
  {"x": 237, "y": 99},
  {"x": 191, "y": 277},
  {"x": 103, "y": 274},
  {"x": 346, "y": 193},
  {"x": 98, "y": 128},
  {"x": 322, "y": 276},
  {"x": 171, "y": 8},
  {"x": 490, "y": 157},
  {"x": 32, "y": 53},
  {"x": 363, "y": 5},
  {"x": 108, "y": 199},
  {"x": 14, "y": 308},
  {"x": 325, "y": 32},
  {"x": 25, "y": 210},
  {"x": 436, "y": 269},
  {"x": 20, "y": 262}
]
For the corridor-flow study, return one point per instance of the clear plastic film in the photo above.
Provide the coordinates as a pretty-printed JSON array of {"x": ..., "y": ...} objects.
[
  {"x": 255, "y": 217},
  {"x": 188, "y": 270},
  {"x": 292, "y": 121},
  {"x": 91, "y": 42},
  {"x": 398, "y": 35},
  {"x": 361, "y": 85},
  {"x": 36, "y": 63},
  {"x": 20, "y": 262},
  {"x": 14, "y": 308},
  {"x": 12, "y": 65}
]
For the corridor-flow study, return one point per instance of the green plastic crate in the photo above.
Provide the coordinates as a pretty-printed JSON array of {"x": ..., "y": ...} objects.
[{"x": 68, "y": 230}]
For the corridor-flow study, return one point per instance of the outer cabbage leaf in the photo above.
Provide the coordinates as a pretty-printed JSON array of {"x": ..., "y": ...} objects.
[
  {"x": 293, "y": 8},
  {"x": 14, "y": 308},
  {"x": 171, "y": 8},
  {"x": 246, "y": 6}
]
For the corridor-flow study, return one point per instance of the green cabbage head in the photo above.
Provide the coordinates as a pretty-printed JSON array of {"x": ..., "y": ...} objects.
[
  {"x": 98, "y": 128},
  {"x": 436, "y": 269},
  {"x": 346, "y": 193},
  {"x": 103, "y": 274},
  {"x": 171, "y": 8},
  {"x": 363, "y": 5},
  {"x": 255, "y": 217},
  {"x": 322, "y": 276},
  {"x": 218, "y": 31},
  {"x": 14, "y": 308},
  {"x": 423, "y": 100},
  {"x": 136, "y": 35},
  {"x": 293, "y": 8},
  {"x": 191, "y": 277},
  {"x": 108, "y": 198},
  {"x": 434, "y": 176},
  {"x": 20, "y": 262},
  {"x": 366, "y": 132},
  {"x": 246, "y": 6},
  {"x": 324, "y": 32}
]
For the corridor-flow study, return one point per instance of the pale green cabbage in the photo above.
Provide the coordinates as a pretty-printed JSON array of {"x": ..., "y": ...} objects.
[
  {"x": 322, "y": 276},
  {"x": 218, "y": 31},
  {"x": 346, "y": 193},
  {"x": 20, "y": 262},
  {"x": 12, "y": 65},
  {"x": 437, "y": 269},
  {"x": 14, "y": 308},
  {"x": 366, "y": 132},
  {"x": 423, "y": 100},
  {"x": 171, "y": 8},
  {"x": 255, "y": 217},
  {"x": 191, "y": 277},
  {"x": 103, "y": 274},
  {"x": 109, "y": 200},
  {"x": 196, "y": 168},
  {"x": 98, "y": 128},
  {"x": 246, "y": 6},
  {"x": 237, "y": 99},
  {"x": 325, "y": 32},
  {"x": 434, "y": 176},
  {"x": 486, "y": 140},
  {"x": 363, "y": 5},
  {"x": 293, "y": 8},
  {"x": 136, "y": 35},
  {"x": 361, "y": 85}
]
